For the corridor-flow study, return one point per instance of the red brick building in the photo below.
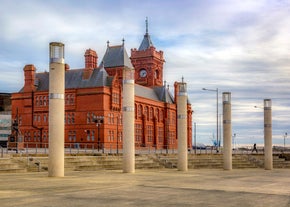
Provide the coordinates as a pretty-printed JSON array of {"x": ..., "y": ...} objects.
[{"x": 96, "y": 91}]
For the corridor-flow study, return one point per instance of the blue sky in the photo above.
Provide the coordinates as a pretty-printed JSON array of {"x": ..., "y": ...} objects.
[{"x": 237, "y": 46}]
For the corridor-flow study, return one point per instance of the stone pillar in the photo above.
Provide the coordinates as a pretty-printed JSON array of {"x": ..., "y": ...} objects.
[
  {"x": 227, "y": 131},
  {"x": 56, "y": 110},
  {"x": 268, "y": 155},
  {"x": 128, "y": 121},
  {"x": 182, "y": 126}
]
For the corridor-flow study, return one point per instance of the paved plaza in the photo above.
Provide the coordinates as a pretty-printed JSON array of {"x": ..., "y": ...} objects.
[{"x": 246, "y": 187}]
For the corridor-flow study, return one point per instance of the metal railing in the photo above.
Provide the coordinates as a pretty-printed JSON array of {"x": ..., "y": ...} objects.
[{"x": 113, "y": 148}]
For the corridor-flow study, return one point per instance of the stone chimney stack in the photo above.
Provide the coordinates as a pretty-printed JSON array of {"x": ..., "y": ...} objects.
[{"x": 29, "y": 78}]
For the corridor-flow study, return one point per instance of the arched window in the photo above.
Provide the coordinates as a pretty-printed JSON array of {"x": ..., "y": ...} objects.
[
  {"x": 44, "y": 101},
  {"x": 151, "y": 113},
  {"x": 40, "y": 100}
]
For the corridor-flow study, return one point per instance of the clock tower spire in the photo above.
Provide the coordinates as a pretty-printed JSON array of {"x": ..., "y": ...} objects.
[{"x": 148, "y": 62}]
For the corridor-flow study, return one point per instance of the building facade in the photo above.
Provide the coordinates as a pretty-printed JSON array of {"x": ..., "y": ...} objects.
[
  {"x": 5, "y": 118},
  {"x": 93, "y": 101}
]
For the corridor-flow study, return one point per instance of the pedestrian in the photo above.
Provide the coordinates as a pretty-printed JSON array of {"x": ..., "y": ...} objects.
[{"x": 255, "y": 148}]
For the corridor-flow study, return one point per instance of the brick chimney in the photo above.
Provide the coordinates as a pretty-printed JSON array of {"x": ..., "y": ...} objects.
[
  {"x": 91, "y": 59},
  {"x": 29, "y": 78},
  {"x": 91, "y": 62}
]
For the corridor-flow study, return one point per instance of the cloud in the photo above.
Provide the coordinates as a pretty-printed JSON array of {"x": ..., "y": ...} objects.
[{"x": 237, "y": 46}]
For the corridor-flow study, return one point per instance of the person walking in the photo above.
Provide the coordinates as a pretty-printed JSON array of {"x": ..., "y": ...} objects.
[{"x": 255, "y": 148}]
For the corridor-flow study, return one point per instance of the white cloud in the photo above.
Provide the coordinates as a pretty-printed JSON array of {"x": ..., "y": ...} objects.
[{"x": 237, "y": 46}]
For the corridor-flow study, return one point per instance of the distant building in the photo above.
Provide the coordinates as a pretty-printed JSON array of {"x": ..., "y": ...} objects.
[
  {"x": 5, "y": 118},
  {"x": 96, "y": 91},
  {"x": 5, "y": 102}
]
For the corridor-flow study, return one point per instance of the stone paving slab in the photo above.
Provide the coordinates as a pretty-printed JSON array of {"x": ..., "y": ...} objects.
[{"x": 166, "y": 187}]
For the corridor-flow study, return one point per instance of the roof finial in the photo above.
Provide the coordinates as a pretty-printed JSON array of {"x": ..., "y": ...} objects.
[
  {"x": 108, "y": 43},
  {"x": 123, "y": 40},
  {"x": 182, "y": 79},
  {"x": 146, "y": 21}
]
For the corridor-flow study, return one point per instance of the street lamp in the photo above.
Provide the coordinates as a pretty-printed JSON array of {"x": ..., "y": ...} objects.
[
  {"x": 98, "y": 120},
  {"x": 217, "y": 114}
]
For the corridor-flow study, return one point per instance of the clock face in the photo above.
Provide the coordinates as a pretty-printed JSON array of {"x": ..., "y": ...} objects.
[{"x": 143, "y": 73}]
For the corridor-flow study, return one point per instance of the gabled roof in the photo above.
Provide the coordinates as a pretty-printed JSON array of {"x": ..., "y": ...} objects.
[{"x": 116, "y": 56}]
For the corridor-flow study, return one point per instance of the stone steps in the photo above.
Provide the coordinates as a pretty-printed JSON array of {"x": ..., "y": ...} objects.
[
  {"x": 152, "y": 161},
  {"x": 8, "y": 165},
  {"x": 207, "y": 161},
  {"x": 78, "y": 163}
]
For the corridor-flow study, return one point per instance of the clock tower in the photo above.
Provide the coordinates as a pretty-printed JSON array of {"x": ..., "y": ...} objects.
[{"x": 148, "y": 63}]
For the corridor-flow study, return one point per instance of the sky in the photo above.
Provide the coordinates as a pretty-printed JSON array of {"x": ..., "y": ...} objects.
[{"x": 242, "y": 47}]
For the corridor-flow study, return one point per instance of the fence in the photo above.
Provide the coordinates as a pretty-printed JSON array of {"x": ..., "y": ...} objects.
[{"x": 93, "y": 148}]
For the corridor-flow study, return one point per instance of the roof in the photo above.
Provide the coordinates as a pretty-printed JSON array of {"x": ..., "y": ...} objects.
[
  {"x": 73, "y": 79},
  {"x": 164, "y": 94},
  {"x": 99, "y": 78},
  {"x": 146, "y": 42},
  {"x": 158, "y": 93},
  {"x": 116, "y": 56}
]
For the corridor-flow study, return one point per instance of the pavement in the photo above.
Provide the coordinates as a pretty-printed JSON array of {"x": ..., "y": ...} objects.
[{"x": 165, "y": 187}]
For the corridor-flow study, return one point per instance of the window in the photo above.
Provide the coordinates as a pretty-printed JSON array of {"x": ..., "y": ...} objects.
[
  {"x": 146, "y": 112},
  {"x": 150, "y": 133},
  {"x": 44, "y": 100},
  {"x": 72, "y": 118},
  {"x": 138, "y": 132},
  {"x": 72, "y": 136},
  {"x": 34, "y": 136},
  {"x": 93, "y": 135},
  {"x": 111, "y": 136},
  {"x": 45, "y": 136},
  {"x": 68, "y": 119},
  {"x": 37, "y": 101},
  {"x": 151, "y": 113},
  {"x": 88, "y": 135},
  {"x": 139, "y": 111},
  {"x": 40, "y": 100},
  {"x": 160, "y": 134},
  {"x": 157, "y": 115}
]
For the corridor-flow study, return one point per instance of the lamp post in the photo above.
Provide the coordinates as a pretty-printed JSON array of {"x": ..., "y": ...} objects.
[
  {"x": 285, "y": 136},
  {"x": 217, "y": 115},
  {"x": 98, "y": 120}
]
